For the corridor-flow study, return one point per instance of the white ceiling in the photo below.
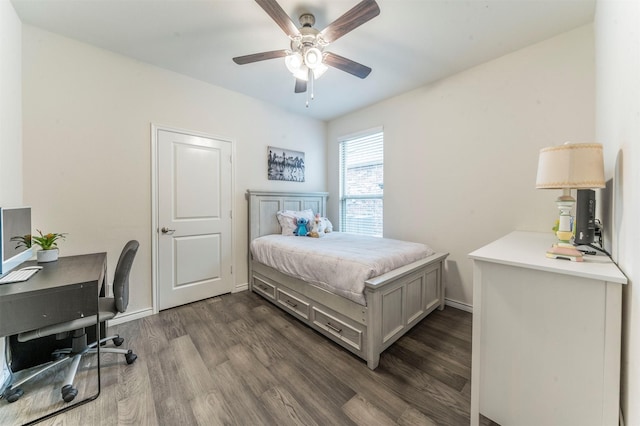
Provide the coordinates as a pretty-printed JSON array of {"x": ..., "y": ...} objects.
[{"x": 411, "y": 43}]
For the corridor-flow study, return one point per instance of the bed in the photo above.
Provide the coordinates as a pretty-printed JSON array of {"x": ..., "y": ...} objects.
[{"x": 392, "y": 302}]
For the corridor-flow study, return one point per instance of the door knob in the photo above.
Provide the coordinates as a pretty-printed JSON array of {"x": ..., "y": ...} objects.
[{"x": 166, "y": 230}]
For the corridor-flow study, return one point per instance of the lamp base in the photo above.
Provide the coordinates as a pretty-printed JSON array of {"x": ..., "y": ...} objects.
[{"x": 565, "y": 251}]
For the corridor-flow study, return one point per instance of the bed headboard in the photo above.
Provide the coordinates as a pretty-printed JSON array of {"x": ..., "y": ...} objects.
[{"x": 264, "y": 205}]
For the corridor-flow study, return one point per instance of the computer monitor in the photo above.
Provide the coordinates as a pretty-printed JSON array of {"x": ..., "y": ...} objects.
[{"x": 14, "y": 222}]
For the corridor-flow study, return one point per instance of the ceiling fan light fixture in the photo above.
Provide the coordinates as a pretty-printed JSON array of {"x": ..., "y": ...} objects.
[
  {"x": 294, "y": 62},
  {"x": 313, "y": 57},
  {"x": 302, "y": 73},
  {"x": 319, "y": 71},
  {"x": 299, "y": 66}
]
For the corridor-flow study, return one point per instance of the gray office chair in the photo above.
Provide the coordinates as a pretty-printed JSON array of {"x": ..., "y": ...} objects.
[{"x": 108, "y": 308}]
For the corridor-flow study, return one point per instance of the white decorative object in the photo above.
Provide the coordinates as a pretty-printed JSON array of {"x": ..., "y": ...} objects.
[
  {"x": 47, "y": 255},
  {"x": 546, "y": 335}
]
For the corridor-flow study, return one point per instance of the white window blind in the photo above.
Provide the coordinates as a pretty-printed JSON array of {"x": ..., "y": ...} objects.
[{"x": 362, "y": 184}]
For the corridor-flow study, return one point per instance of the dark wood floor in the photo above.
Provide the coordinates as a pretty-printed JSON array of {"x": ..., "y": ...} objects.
[{"x": 238, "y": 360}]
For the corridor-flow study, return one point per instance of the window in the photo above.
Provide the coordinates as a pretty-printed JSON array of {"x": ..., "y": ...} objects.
[{"x": 362, "y": 183}]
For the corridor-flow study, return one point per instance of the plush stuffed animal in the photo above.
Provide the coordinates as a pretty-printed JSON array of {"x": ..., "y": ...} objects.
[
  {"x": 326, "y": 225},
  {"x": 301, "y": 230},
  {"x": 318, "y": 227}
]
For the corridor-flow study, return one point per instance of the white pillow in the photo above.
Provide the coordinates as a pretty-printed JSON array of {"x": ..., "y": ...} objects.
[{"x": 288, "y": 220}]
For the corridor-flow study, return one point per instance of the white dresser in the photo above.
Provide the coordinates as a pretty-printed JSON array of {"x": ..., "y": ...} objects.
[{"x": 546, "y": 335}]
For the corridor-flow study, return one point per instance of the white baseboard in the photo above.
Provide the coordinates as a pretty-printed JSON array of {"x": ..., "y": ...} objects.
[
  {"x": 130, "y": 316},
  {"x": 458, "y": 305},
  {"x": 240, "y": 287}
]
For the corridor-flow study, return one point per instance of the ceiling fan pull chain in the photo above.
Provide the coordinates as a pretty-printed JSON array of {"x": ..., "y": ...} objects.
[{"x": 310, "y": 91}]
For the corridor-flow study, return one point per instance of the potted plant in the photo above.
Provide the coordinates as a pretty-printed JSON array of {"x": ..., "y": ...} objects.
[{"x": 47, "y": 242}]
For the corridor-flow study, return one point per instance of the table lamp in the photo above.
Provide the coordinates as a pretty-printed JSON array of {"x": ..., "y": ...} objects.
[{"x": 569, "y": 166}]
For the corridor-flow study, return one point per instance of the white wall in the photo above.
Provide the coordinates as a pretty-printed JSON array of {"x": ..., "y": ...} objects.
[
  {"x": 618, "y": 128},
  {"x": 461, "y": 154},
  {"x": 87, "y": 115},
  {"x": 10, "y": 122},
  {"x": 10, "y": 107}
]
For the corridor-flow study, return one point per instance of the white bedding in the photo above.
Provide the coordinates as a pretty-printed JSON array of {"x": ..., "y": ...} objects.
[{"x": 339, "y": 262}]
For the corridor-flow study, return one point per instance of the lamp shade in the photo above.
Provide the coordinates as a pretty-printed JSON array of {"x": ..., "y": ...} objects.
[{"x": 572, "y": 165}]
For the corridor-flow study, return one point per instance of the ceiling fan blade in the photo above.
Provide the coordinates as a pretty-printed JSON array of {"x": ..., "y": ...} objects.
[
  {"x": 255, "y": 57},
  {"x": 358, "y": 15},
  {"x": 346, "y": 65},
  {"x": 276, "y": 13},
  {"x": 301, "y": 86}
]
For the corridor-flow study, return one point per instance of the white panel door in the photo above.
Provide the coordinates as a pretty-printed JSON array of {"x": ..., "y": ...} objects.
[{"x": 194, "y": 218}]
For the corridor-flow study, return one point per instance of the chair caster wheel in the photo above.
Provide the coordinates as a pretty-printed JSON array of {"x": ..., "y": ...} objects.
[
  {"x": 130, "y": 357},
  {"x": 118, "y": 341},
  {"x": 69, "y": 393},
  {"x": 12, "y": 395},
  {"x": 56, "y": 356}
]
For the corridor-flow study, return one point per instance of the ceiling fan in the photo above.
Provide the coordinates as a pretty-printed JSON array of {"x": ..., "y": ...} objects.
[{"x": 307, "y": 59}]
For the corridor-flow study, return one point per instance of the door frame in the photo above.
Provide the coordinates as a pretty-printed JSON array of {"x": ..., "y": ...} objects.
[{"x": 155, "y": 227}]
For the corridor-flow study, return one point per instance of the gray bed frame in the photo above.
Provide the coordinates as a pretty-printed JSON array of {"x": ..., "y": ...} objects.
[{"x": 396, "y": 301}]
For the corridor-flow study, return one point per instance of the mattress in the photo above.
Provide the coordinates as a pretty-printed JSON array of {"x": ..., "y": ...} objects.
[{"x": 339, "y": 262}]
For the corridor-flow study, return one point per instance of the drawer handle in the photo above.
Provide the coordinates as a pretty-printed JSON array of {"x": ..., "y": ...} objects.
[
  {"x": 262, "y": 287},
  {"x": 290, "y": 303},
  {"x": 334, "y": 328}
]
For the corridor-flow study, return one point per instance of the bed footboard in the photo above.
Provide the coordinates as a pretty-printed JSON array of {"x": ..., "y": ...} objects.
[{"x": 399, "y": 300}]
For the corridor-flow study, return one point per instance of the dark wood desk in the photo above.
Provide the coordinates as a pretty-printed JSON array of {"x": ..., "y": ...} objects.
[{"x": 62, "y": 291}]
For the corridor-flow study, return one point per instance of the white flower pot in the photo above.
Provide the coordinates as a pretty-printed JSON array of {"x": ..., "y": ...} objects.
[{"x": 47, "y": 255}]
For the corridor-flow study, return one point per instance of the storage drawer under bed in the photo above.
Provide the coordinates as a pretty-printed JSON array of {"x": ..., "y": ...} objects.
[
  {"x": 263, "y": 287},
  {"x": 292, "y": 303},
  {"x": 337, "y": 328}
]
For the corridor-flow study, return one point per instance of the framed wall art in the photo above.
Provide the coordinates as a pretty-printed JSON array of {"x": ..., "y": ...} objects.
[{"x": 285, "y": 164}]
